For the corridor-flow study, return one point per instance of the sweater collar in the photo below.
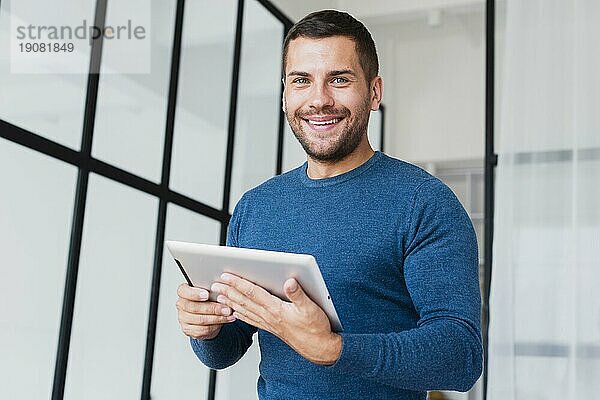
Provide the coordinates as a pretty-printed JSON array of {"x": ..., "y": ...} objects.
[{"x": 309, "y": 182}]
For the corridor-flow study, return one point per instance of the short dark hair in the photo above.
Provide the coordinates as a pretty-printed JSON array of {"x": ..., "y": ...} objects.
[{"x": 328, "y": 23}]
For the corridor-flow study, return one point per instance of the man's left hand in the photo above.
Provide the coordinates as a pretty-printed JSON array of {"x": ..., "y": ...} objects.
[{"x": 300, "y": 323}]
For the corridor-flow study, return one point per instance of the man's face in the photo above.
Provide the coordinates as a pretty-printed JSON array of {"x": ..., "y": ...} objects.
[{"x": 327, "y": 99}]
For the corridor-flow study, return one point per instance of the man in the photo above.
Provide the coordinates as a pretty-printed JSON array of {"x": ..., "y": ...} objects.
[{"x": 395, "y": 247}]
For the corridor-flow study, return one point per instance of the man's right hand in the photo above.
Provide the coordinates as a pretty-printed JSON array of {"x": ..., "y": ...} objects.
[{"x": 198, "y": 317}]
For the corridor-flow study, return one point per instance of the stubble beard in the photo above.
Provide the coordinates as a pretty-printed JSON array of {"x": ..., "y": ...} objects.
[{"x": 346, "y": 141}]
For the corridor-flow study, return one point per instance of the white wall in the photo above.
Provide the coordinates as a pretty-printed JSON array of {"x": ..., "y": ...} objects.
[
  {"x": 434, "y": 87},
  {"x": 296, "y": 10}
]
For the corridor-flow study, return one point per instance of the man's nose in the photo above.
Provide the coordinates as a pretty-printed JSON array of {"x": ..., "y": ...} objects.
[{"x": 321, "y": 96}]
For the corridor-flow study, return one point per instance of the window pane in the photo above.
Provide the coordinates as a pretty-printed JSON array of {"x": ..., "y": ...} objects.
[
  {"x": 375, "y": 129},
  {"x": 458, "y": 184},
  {"x": 239, "y": 381},
  {"x": 478, "y": 224},
  {"x": 541, "y": 377},
  {"x": 131, "y": 112},
  {"x": 35, "y": 244},
  {"x": 110, "y": 319},
  {"x": 50, "y": 104},
  {"x": 177, "y": 372},
  {"x": 586, "y": 369},
  {"x": 588, "y": 193},
  {"x": 477, "y": 188},
  {"x": 293, "y": 153},
  {"x": 201, "y": 121},
  {"x": 259, "y": 101}
]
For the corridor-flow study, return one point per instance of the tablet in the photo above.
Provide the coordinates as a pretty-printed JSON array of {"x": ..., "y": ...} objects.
[{"x": 203, "y": 264}]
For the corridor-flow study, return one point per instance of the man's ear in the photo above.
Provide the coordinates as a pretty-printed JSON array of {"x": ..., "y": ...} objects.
[{"x": 376, "y": 92}]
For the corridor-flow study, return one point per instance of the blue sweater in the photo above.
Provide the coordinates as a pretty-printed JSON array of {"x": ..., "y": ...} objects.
[{"x": 399, "y": 256}]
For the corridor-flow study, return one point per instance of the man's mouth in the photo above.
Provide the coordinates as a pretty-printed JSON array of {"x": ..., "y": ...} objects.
[
  {"x": 328, "y": 122},
  {"x": 323, "y": 123}
]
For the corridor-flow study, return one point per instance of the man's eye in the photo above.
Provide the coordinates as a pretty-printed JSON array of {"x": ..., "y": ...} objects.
[
  {"x": 339, "y": 80},
  {"x": 300, "y": 81}
]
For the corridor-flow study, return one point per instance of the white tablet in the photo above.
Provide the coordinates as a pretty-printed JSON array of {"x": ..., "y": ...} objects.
[{"x": 203, "y": 264}]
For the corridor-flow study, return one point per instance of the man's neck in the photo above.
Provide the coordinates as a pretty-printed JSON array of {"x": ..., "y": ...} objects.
[{"x": 323, "y": 169}]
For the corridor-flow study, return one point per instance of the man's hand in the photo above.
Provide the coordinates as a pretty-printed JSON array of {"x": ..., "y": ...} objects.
[
  {"x": 198, "y": 317},
  {"x": 301, "y": 323}
]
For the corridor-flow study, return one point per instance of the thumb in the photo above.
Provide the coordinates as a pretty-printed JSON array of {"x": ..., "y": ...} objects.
[{"x": 295, "y": 293}]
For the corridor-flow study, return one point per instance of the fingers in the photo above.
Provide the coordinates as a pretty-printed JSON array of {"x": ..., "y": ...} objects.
[
  {"x": 253, "y": 320},
  {"x": 194, "y": 309},
  {"x": 231, "y": 297},
  {"x": 198, "y": 317},
  {"x": 250, "y": 303},
  {"x": 242, "y": 309},
  {"x": 201, "y": 332},
  {"x": 247, "y": 288},
  {"x": 296, "y": 294},
  {"x": 203, "y": 320},
  {"x": 188, "y": 292},
  {"x": 204, "y": 308},
  {"x": 243, "y": 291}
]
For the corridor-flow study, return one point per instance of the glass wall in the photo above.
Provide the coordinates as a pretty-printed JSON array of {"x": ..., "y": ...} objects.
[
  {"x": 544, "y": 305},
  {"x": 177, "y": 373},
  {"x": 203, "y": 101},
  {"x": 131, "y": 111},
  {"x": 50, "y": 105},
  {"x": 35, "y": 210},
  {"x": 113, "y": 293},
  {"x": 259, "y": 94}
]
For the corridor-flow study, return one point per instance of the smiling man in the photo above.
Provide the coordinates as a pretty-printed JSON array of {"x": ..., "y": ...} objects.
[{"x": 395, "y": 247}]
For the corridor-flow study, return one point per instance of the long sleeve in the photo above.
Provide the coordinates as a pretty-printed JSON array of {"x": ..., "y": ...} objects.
[
  {"x": 227, "y": 348},
  {"x": 441, "y": 272},
  {"x": 235, "y": 338}
]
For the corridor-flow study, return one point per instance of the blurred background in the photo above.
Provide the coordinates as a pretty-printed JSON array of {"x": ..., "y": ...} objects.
[{"x": 98, "y": 169}]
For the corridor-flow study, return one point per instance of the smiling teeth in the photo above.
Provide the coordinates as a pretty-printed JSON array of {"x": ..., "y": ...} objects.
[{"x": 332, "y": 121}]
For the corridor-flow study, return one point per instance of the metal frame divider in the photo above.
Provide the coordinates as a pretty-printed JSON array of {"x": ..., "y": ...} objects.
[
  {"x": 162, "y": 207},
  {"x": 60, "y": 152},
  {"x": 287, "y": 23},
  {"x": 235, "y": 74},
  {"x": 66, "y": 321},
  {"x": 491, "y": 161},
  {"x": 281, "y": 134}
]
